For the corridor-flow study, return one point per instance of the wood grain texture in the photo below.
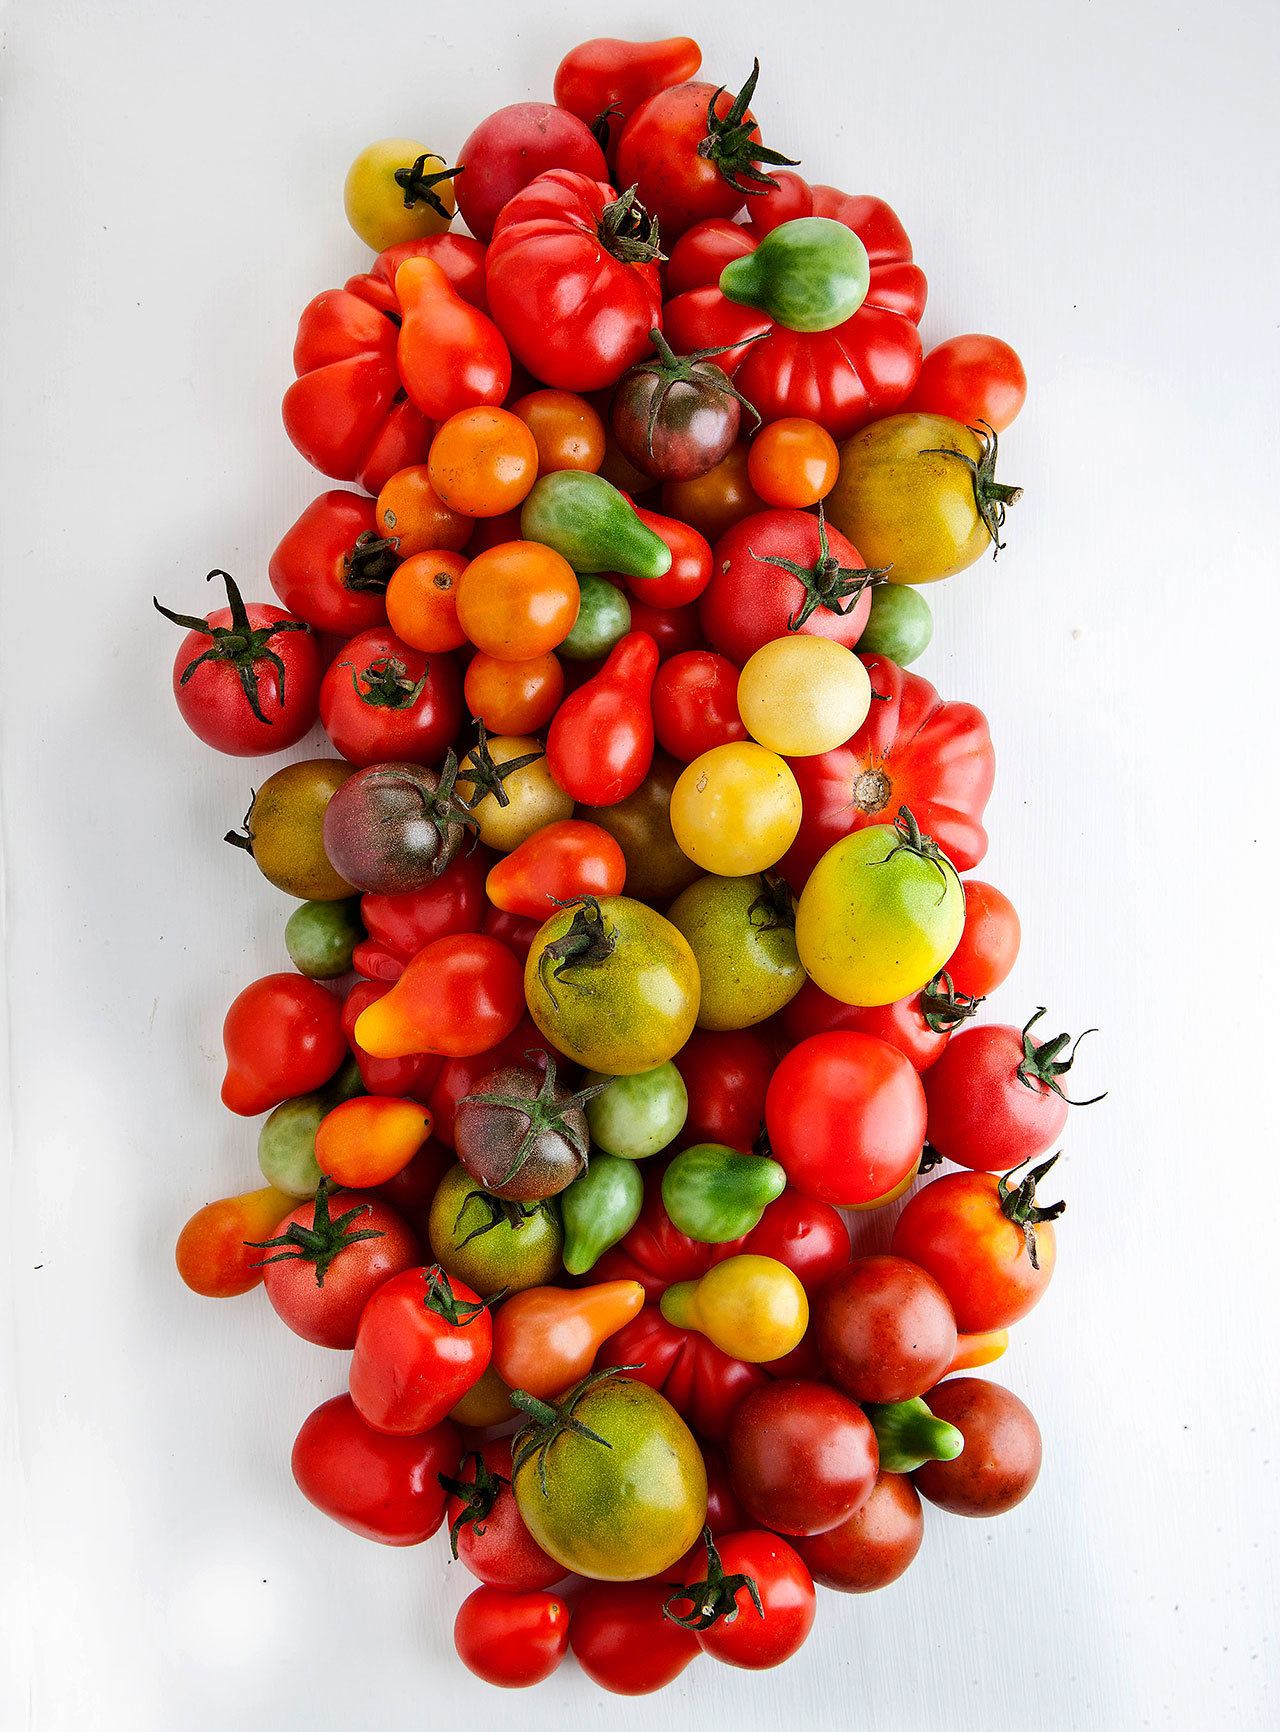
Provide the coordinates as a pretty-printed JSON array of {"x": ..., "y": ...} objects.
[{"x": 1095, "y": 182}]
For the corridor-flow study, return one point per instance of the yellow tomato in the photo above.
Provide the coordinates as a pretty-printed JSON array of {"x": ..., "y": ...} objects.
[
  {"x": 800, "y": 695},
  {"x": 385, "y": 211},
  {"x": 510, "y": 804},
  {"x": 750, "y": 1307},
  {"x": 736, "y": 809}
]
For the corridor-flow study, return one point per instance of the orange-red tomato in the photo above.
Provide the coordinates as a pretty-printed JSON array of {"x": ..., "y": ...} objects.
[
  {"x": 561, "y": 862},
  {"x": 483, "y": 461},
  {"x": 411, "y": 513},
  {"x": 212, "y": 1254},
  {"x": 793, "y": 462},
  {"x": 513, "y": 697},
  {"x": 989, "y": 943},
  {"x": 714, "y": 502},
  {"x": 566, "y": 429},
  {"x": 518, "y": 600},
  {"x": 422, "y": 601},
  {"x": 368, "y": 1140}
]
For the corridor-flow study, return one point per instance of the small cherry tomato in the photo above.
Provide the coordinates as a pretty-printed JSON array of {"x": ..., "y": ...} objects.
[
  {"x": 422, "y": 1342},
  {"x": 283, "y": 1037},
  {"x": 411, "y": 513},
  {"x": 971, "y": 379},
  {"x": 511, "y": 790},
  {"x": 511, "y": 1639},
  {"x": 215, "y": 1253},
  {"x": 422, "y": 601},
  {"x": 383, "y": 1488},
  {"x": 459, "y": 996},
  {"x": 381, "y": 700},
  {"x": 1000, "y": 1461},
  {"x": 513, "y": 697},
  {"x": 483, "y": 461},
  {"x": 803, "y": 695},
  {"x": 487, "y": 1531},
  {"x": 623, "y": 1640},
  {"x": 566, "y": 430},
  {"x": 695, "y": 704},
  {"x": 750, "y": 1599},
  {"x": 793, "y": 462},
  {"x": 736, "y": 809},
  {"x": 873, "y": 1546},
  {"x": 518, "y": 600},
  {"x": 989, "y": 942},
  {"x": 559, "y": 863},
  {"x": 885, "y": 1329},
  {"x": 397, "y": 191},
  {"x": 366, "y": 1141},
  {"x": 690, "y": 571},
  {"x": 802, "y": 1456},
  {"x": 714, "y": 502}
]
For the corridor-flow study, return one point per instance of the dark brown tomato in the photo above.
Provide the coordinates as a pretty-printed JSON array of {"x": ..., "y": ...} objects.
[
  {"x": 885, "y": 1329},
  {"x": 873, "y": 1546},
  {"x": 394, "y": 827},
  {"x": 1000, "y": 1461},
  {"x": 674, "y": 417},
  {"x": 521, "y": 1135},
  {"x": 657, "y": 868},
  {"x": 802, "y": 1457}
]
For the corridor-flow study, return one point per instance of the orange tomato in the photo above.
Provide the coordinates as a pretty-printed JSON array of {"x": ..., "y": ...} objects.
[
  {"x": 483, "y": 461},
  {"x": 545, "y": 1339},
  {"x": 518, "y": 600},
  {"x": 368, "y": 1140},
  {"x": 212, "y": 1255},
  {"x": 411, "y": 513},
  {"x": 513, "y": 697},
  {"x": 793, "y": 462},
  {"x": 566, "y": 429},
  {"x": 714, "y": 502},
  {"x": 422, "y": 601}
]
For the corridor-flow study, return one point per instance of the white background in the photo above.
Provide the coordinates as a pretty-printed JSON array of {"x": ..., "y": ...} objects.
[{"x": 1095, "y": 182}]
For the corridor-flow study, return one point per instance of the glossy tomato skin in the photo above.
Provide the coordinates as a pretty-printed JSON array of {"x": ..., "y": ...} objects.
[
  {"x": 786, "y": 1595},
  {"x": 216, "y": 1254},
  {"x": 989, "y": 944},
  {"x": 873, "y": 1546},
  {"x": 383, "y": 1488},
  {"x": 490, "y": 1536},
  {"x": 808, "y": 1236},
  {"x": 458, "y": 1077},
  {"x": 802, "y": 1456},
  {"x": 511, "y": 1639},
  {"x": 212, "y": 701},
  {"x": 657, "y": 867},
  {"x": 695, "y": 704},
  {"x": 971, "y": 379},
  {"x": 397, "y": 926},
  {"x": 901, "y": 1024},
  {"x": 956, "y": 1229},
  {"x": 1000, "y": 1461},
  {"x": 846, "y": 1117},
  {"x": 750, "y": 601},
  {"x": 690, "y": 571},
  {"x": 673, "y": 629},
  {"x": 885, "y": 1329},
  {"x": 283, "y": 1037},
  {"x": 413, "y": 1363},
  {"x": 460, "y": 995},
  {"x": 981, "y": 1113},
  {"x": 395, "y": 1077},
  {"x": 605, "y": 80},
  {"x": 511, "y": 148},
  {"x": 726, "y": 1074},
  {"x": 332, "y": 567},
  {"x": 372, "y": 708},
  {"x": 600, "y": 743},
  {"x": 705, "y": 1386},
  {"x": 623, "y": 1640},
  {"x": 326, "y": 1307}
]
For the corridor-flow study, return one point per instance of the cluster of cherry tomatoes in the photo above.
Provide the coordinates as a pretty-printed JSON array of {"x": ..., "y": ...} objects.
[{"x": 632, "y": 955}]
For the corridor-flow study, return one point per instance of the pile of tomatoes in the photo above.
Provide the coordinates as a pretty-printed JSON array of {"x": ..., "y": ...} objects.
[{"x": 636, "y": 950}]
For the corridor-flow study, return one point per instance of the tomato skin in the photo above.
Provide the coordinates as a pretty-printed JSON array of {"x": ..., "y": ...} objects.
[
  {"x": 705, "y": 1386},
  {"x": 518, "y": 600},
  {"x": 458, "y": 996},
  {"x": 450, "y": 355},
  {"x": 695, "y": 704},
  {"x": 749, "y": 601},
  {"x": 566, "y": 429},
  {"x": 511, "y": 1639},
  {"x": 1000, "y": 1461},
  {"x": 989, "y": 944},
  {"x": 515, "y": 146},
  {"x": 324, "y": 569},
  {"x": 885, "y": 1329},
  {"x": 283, "y": 1037},
  {"x": 786, "y": 1593},
  {"x": 326, "y": 1309},
  {"x": 368, "y": 728},
  {"x": 714, "y": 502},
  {"x": 657, "y": 868},
  {"x": 982, "y": 1114},
  {"x": 422, "y": 601},
  {"x": 605, "y": 80},
  {"x": 600, "y": 744},
  {"x": 726, "y": 1075},
  {"x": 970, "y": 379},
  {"x": 673, "y": 629},
  {"x": 623, "y": 1640},
  {"x": 846, "y": 1117},
  {"x": 411, "y": 515},
  {"x": 213, "y": 703},
  {"x": 802, "y": 1456},
  {"x": 513, "y": 697},
  {"x": 901, "y": 1024},
  {"x": 411, "y": 1363},
  {"x": 956, "y": 1229},
  {"x": 793, "y": 462},
  {"x": 690, "y": 571},
  {"x": 559, "y": 863},
  {"x": 808, "y": 1236},
  {"x": 214, "y": 1253},
  {"x": 495, "y": 1545},
  {"x": 383, "y": 1488},
  {"x": 483, "y": 461},
  {"x": 458, "y": 1077},
  {"x": 397, "y": 926},
  {"x": 735, "y": 810},
  {"x": 873, "y": 1546}
]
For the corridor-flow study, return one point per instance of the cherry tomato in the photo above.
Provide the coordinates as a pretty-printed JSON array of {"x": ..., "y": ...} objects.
[
  {"x": 750, "y": 1600},
  {"x": 331, "y": 568},
  {"x": 657, "y": 867},
  {"x": 623, "y": 1640},
  {"x": 726, "y": 1076},
  {"x": 366, "y": 1141},
  {"x": 802, "y": 1456},
  {"x": 328, "y": 1258},
  {"x": 560, "y": 863},
  {"x": 458, "y": 996},
  {"x": 714, "y": 502},
  {"x": 518, "y": 600},
  {"x": 971, "y": 379},
  {"x": 605, "y": 80},
  {"x": 673, "y": 629},
  {"x": 513, "y": 697},
  {"x": 383, "y": 1488},
  {"x": 215, "y": 1254},
  {"x": 283, "y": 1037},
  {"x": 487, "y": 1531},
  {"x": 421, "y": 1344},
  {"x": 567, "y": 431},
  {"x": 808, "y": 1236},
  {"x": 793, "y": 462},
  {"x": 458, "y": 1077},
  {"x": 411, "y": 514},
  {"x": 885, "y": 1329},
  {"x": 989, "y": 942},
  {"x": 690, "y": 571},
  {"x": 397, "y": 190},
  {"x": 513, "y": 147},
  {"x": 600, "y": 745},
  {"x": 398, "y": 924},
  {"x": 802, "y": 695},
  {"x": 1000, "y": 1461},
  {"x": 511, "y": 790},
  {"x": 382, "y": 700},
  {"x": 919, "y": 1026},
  {"x": 873, "y": 1546},
  {"x": 483, "y": 461},
  {"x": 736, "y": 809},
  {"x": 511, "y": 1639},
  {"x": 695, "y": 704},
  {"x": 422, "y": 601}
]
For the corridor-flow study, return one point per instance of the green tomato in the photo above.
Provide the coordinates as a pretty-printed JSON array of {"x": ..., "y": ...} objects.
[
  {"x": 490, "y": 1244},
  {"x": 715, "y": 1194},
  {"x": 638, "y": 1115},
  {"x": 810, "y": 274},
  {"x": 604, "y": 616},
  {"x": 900, "y": 625},
  {"x": 598, "y": 1208},
  {"x": 287, "y": 1139},
  {"x": 592, "y": 525},
  {"x": 320, "y": 937},
  {"x": 742, "y": 933}
]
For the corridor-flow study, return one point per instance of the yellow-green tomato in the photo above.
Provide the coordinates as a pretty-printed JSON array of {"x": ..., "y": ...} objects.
[
  {"x": 801, "y": 695},
  {"x": 385, "y": 210},
  {"x": 880, "y": 915},
  {"x": 489, "y": 1244},
  {"x": 736, "y": 809},
  {"x": 742, "y": 933},
  {"x": 635, "y": 1116},
  {"x": 750, "y": 1307}
]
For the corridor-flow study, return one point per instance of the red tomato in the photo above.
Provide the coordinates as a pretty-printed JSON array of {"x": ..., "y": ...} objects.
[
  {"x": 398, "y": 926},
  {"x": 605, "y": 80},
  {"x": 283, "y": 1037},
  {"x": 215, "y": 1253},
  {"x": 383, "y": 701},
  {"x": 903, "y": 1023},
  {"x": 703, "y": 1384},
  {"x": 330, "y": 1256},
  {"x": 655, "y": 1252},
  {"x": 423, "y": 1342},
  {"x": 673, "y": 629},
  {"x": 515, "y": 146},
  {"x": 384, "y": 1488},
  {"x": 802, "y": 1456},
  {"x": 487, "y": 1531},
  {"x": 885, "y": 1329},
  {"x": 846, "y": 1117},
  {"x": 690, "y": 571},
  {"x": 332, "y": 567},
  {"x": 808, "y": 1236},
  {"x": 459, "y": 995},
  {"x": 573, "y": 280},
  {"x": 246, "y": 679},
  {"x": 765, "y": 1582},
  {"x": 724, "y": 1512},
  {"x": 781, "y": 571},
  {"x": 623, "y": 1640},
  {"x": 1000, "y": 1461},
  {"x": 450, "y": 355},
  {"x": 600, "y": 745},
  {"x": 989, "y": 944},
  {"x": 995, "y": 1096},
  {"x": 385, "y": 1076},
  {"x": 971, "y": 379},
  {"x": 913, "y": 750},
  {"x": 513, "y": 930},
  {"x": 412, "y": 1189},
  {"x": 695, "y": 704},
  {"x": 559, "y": 863},
  {"x": 726, "y": 1075},
  {"x": 512, "y": 1640},
  {"x": 873, "y": 1546}
]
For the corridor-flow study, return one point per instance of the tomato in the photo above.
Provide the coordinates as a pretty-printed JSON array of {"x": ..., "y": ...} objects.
[
  {"x": 546, "y": 1338},
  {"x": 919, "y": 1026},
  {"x": 518, "y": 600},
  {"x": 398, "y": 190},
  {"x": 394, "y": 827},
  {"x": 635, "y": 1116},
  {"x": 913, "y": 750},
  {"x": 673, "y": 629},
  {"x": 623, "y": 1640},
  {"x": 885, "y": 1329},
  {"x": 751, "y": 1599},
  {"x": 515, "y": 146},
  {"x": 695, "y": 704},
  {"x": 383, "y": 1488},
  {"x": 793, "y": 462},
  {"x": 559, "y": 863},
  {"x": 655, "y": 1252},
  {"x": 520, "y": 1135},
  {"x": 245, "y": 679},
  {"x": 873, "y": 1546},
  {"x": 995, "y": 1096},
  {"x": 421, "y": 1344},
  {"x": 694, "y": 151},
  {"x": 690, "y": 571},
  {"x": 215, "y": 1255},
  {"x": 513, "y": 697},
  {"x": 486, "y": 1530},
  {"x": 382, "y": 699},
  {"x": 989, "y": 943},
  {"x": 900, "y": 625},
  {"x": 397, "y": 926},
  {"x": 332, "y": 567},
  {"x": 657, "y": 867},
  {"x": 736, "y": 809},
  {"x": 566, "y": 430},
  {"x": 880, "y": 914},
  {"x": 483, "y": 461},
  {"x": 284, "y": 830},
  {"x": 714, "y": 502},
  {"x": 1000, "y": 1461},
  {"x": 459, "y": 1076},
  {"x": 726, "y": 1076},
  {"x": 918, "y": 493},
  {"x": 751, "y": 1307},
  {"x": 808, "y": 1236},
  {"x": 450, "y": 355},
  {"x": 612, "y": 985},
  {"x": 368, "y": 1140},
  {"x": 511, "y": 1639},
  {"x": 620, "y": 1496},
  {"x": 328, "y": 1258},
  {"x": 802, "y": 1457},
  {"x": 283, "y": 1037},
  {"x": 803, "y": 695},
  {"x": 988, "y": 1243},
  {"x": 572, "y": 278},
  {"x": 742, "y": 934},
  {"x": 605, "y": 80},
  {"x": 492, "y": 1245},
  {"x": 512, "y": 791},
  {"x": 421, "y": 601},
  {"x": 415, "y": 519},
  {"x": 971, "y": 379},
  {"x": 675, "y": 416},
  {"x": 600, "y": 744},
  {"x": 321, "y": 937},
  {"x": 703, "y": 1384},
  {"x": 458, "y": 996},
  {"x": 777, "y": 572},
  {"x": 846, "y": 1117}
]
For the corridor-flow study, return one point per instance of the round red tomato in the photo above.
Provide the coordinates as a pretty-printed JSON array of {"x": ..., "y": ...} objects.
[
  {"x": 384, "y": 1488},
  {"x": 383, "y": 701},
  {"x": 846, "y": 1117},
  {"x": 762, "y": 1580},
  {"x": 513, "y": 147},
  {"x": 885, "y": 1329},
  {"x": 623, "y": 1640},
  {"x": 487, "y": 1531},
  {"x": 971, "y": 379},
  {"x": 1000, "y": 1461},
  {"x": 989, "y": 943},
  {"x": 511, "y": 1639},
  {"x": 695, "y": 704},
  {"x": 873, "y": 1546},
  {"x": 808, "y": 1236},
  {"x": 906, "y": 1023},
  {"x": 673, "y": 629},
  {"x": 726, "y": 1075},
  {"x": 690, "y": 571},
  {"x": 802, "y": 1456},
  {"x": 332, "y": 567}
]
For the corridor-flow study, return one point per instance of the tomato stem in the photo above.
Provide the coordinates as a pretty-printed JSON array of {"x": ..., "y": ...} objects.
[
  {"x": 990, "y": 496},
  {"x": 826, "y": 582},
  {"x": 419, "y": 187},
  {"x": 1018, "y": 1203},
  {"x": 241, "y": 644},
  {"x": 550, "y": 1422},
  {"x": 733, "y": 144},
  {"x": 485, "y": 776},
  {"x": 478, "y": 1494},
  {"x": 628, "y": 232},
  {"x": 369, "y": 562},
  {"x": 1041, "y": 1064},
  {"x": 713, "y": 1598},
  {"x": 587, "y": 940},
  {"x": 322, "y": 1241}
]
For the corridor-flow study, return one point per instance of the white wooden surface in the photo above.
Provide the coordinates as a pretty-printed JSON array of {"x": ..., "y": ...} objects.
[{"x": 1094, "y": 181}]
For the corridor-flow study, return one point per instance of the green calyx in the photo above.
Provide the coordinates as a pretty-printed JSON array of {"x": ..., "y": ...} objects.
[
  {"x": 628, "y": 232},
  {"x": 369, "y": 562},
  {"x": 1043, "y": 1065},
  {"x": 385, "y": 684},
  {"x": 586, "y": 941},
  {"x": 486, "y": 777},
  {"x": 240, "y": 644},
  {"x": 912, "y": 840},
  {"x": 826, "y": 582},
  {"x": 547, "y": 1421},
  {"x": 909, "y": 1435},
  {"x": 732, "y": 142},
  {"x": 1018, "y": 1204},
  {"x": 418, "y": 186},
  {"x": 600, "y": 1207},
  {"x": 990, "y": 497},
  {"x": 810, "y": 274},
  {"x": 713, "y": 1598},
  {"x": 716, "y": 1194},
  {"x": 499, "y": 1211},
  {"x": 547, "y": 1113},
  {"x": 478, "y": 1495},
  {"x": 441, "y": 1298},
  {"x": 321, "y": 1242},
  {"x": 943, "y": 1008},
  {"x": 442, "y": 806}
]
